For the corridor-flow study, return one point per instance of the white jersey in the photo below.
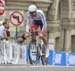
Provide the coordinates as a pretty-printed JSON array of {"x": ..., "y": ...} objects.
[
  {"x": 2, "y": 31},
  {"x": 39, "y": 16}
]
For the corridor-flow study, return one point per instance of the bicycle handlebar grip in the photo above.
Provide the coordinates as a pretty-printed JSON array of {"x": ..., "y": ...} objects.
[
  {"x": 20, "y": 40},
  {"x": 23, "y": 37}
]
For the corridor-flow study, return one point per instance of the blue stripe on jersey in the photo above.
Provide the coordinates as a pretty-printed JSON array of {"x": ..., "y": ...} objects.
[{"x": 38, "y": 23}]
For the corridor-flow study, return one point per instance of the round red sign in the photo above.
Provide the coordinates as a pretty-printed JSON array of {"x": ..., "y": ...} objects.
[
  {"x": 2, "y": 7},
  {"x": 16, "y": 18}
]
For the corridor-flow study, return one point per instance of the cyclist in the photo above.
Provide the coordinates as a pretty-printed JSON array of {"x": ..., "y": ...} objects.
[
  {"x": 4, "y": 32},
  {"x": 36, "y": 19}
]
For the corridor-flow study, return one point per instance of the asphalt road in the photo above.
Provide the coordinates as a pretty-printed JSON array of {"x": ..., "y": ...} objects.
[{"x": 10, "y": 67}]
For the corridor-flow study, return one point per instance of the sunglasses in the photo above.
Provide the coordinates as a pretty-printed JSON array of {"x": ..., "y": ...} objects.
[{"x": 32, "y": 12}]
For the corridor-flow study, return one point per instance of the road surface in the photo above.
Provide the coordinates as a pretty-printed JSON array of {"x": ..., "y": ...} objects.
[{"x": 23, "y": 67}]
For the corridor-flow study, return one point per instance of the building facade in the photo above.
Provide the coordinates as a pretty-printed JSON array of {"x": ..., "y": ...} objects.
[{"x": 60, "y": 18}]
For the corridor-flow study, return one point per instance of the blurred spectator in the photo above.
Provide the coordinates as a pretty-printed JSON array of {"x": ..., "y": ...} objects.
[{"x": 4, "y": 30}]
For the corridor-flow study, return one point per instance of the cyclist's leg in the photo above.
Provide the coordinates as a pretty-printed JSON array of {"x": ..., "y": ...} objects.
[
  {"x": 42, "y": 35},
  {"x": 43, "y": 38}
]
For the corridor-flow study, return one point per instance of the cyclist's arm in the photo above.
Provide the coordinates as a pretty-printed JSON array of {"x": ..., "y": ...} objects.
[
  {"x": 43, "y": 18},
  {"x": 24, "y": 36},
  {"x": 27, "y": 22}
]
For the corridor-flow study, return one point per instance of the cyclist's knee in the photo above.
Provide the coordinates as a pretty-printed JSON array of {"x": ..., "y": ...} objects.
[{"x": 41, "y": 36}]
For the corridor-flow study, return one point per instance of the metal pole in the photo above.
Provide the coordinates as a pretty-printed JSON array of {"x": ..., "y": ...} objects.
[{"x": 16, "y": 32}]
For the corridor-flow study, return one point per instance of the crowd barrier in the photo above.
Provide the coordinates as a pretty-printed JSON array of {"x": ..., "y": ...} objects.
[
  {"x": 19, "y": 54},
  {"x": 59, "y": 58}
]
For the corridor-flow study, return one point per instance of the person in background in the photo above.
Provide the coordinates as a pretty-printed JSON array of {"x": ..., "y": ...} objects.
[{"x": 4, "y": 30}]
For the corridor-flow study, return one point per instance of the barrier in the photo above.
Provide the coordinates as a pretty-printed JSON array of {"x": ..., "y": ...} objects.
[
  {"x": 70, "y": 59},
  {"x": 57, "y": 58}
]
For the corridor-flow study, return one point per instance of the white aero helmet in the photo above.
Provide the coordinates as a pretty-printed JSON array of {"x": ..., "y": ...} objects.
[{"x": 32, "y": 8}]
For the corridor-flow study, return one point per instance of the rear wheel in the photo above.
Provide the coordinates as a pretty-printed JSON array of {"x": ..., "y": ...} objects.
[{"x": 42, "y": 48}]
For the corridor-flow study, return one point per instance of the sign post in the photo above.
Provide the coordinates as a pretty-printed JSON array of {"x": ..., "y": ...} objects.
[
  {"x": 16, "y": 18},
  {"x": 16, "y": 32}
]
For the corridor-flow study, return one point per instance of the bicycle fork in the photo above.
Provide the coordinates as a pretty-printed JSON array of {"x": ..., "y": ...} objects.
[{"x": 39, "y": 46}]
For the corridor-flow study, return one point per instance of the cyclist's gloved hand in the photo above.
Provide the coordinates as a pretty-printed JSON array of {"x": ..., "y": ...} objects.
[
  {"x": 23, "y": 37},
  {"x": 19, "y": 40}
]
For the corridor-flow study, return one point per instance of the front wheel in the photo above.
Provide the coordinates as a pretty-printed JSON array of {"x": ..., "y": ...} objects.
[{"x": 33, "y": 53}]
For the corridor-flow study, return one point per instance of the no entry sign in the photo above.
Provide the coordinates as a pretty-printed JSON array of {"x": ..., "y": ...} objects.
[
  {"x": 16, "y": 18},
  {"x": 2, "y": 11},
  {"x": 2, "y": 7}
]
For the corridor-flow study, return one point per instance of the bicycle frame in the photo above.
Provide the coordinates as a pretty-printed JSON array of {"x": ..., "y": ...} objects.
[
  {"x": 37, "y": 43},
  {"x": 38, "y": 40}
]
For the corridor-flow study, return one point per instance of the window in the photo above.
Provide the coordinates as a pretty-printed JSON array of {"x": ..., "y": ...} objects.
[{"x": 57, "y": 43}]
